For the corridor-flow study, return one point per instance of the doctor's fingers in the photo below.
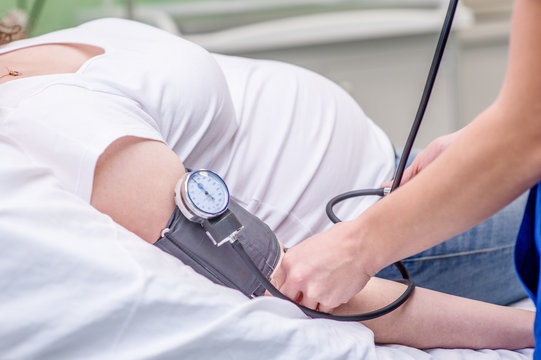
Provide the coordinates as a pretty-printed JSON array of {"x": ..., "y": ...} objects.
[
  {"x": 278, "y": 277},
  {"x": 307, "y": 295},
  {"x": 410, "y": 172},
  {"x": 280, "y": 281},
  {"x": 316, "y": 302},
  {"x": 297, "y": 296},
  {"x": 292, "y": 289}
]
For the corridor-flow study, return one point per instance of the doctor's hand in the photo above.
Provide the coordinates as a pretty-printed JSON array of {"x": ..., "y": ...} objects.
[
  {"x": 425, "y": 157},
  {"x": 325, "y": 270}
]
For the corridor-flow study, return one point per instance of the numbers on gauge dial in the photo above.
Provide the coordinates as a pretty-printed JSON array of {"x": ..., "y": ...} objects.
[{"x": 207, "y": 192}]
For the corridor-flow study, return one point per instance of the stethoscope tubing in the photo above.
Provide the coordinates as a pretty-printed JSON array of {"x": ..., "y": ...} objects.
[
  {"x": 406, "y": 279},
  {"x": 237, "y": 246}
]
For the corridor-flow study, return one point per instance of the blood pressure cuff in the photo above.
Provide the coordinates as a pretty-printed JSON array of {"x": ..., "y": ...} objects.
[{"x": 187, "y": 241}]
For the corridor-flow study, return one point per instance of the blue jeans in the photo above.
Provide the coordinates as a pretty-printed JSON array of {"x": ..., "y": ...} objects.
[{"x": 478, "y": 264}]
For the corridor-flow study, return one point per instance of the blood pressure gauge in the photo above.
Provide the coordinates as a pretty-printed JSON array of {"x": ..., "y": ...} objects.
[{"x": 201, "y": 195}]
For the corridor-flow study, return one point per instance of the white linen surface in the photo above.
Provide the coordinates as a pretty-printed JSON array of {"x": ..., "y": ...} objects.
[{"x": 75, "y": 285}]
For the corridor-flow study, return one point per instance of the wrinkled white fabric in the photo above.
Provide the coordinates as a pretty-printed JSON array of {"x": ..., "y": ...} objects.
[
  {"x": 301, "y": 141},
  {"x": 285, "y": 139},
  {"x": 75, "y": 285}
]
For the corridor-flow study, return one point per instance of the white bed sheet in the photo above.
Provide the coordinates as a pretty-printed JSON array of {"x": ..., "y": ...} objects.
[{"x": 75, "y": 285}]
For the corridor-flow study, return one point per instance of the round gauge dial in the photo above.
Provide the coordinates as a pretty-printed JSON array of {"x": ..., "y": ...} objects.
[{"x": 207, "y": 192}]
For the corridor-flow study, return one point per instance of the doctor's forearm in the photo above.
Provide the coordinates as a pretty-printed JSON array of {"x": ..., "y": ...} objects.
[
  {"x": 490, "y": 164},
  {"x": 495, "y": 159}
]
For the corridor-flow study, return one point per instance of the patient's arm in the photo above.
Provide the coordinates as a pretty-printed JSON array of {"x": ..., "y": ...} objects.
[
  {"x": 432, "y": 319},
  {"x": 134, "y": 181}
]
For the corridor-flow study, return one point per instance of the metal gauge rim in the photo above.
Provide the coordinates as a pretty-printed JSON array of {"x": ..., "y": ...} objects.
[{"x": 185, "y": 203}]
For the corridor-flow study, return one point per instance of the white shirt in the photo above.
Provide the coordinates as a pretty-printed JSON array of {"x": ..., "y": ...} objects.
[{"x": 285, "y": 139}]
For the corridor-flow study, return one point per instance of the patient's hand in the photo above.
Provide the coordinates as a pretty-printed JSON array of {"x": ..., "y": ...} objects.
[{"x": 425, "y": 157}]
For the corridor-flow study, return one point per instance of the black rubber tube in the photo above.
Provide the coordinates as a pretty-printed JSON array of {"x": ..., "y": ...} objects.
[
  {"x": 444, "y": 35},
  {"x": 317, "y": 314},
  {"x": 431, "y": 79}
]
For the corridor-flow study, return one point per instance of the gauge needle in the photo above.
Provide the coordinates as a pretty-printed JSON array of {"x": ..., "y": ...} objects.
[{"x": 200, "y": 186}]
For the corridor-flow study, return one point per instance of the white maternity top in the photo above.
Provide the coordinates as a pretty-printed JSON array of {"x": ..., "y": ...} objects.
[{"x": 285, "y": 139}]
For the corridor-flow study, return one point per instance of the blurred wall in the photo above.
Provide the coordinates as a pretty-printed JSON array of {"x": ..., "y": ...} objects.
[{"x": 60, "y": 14}]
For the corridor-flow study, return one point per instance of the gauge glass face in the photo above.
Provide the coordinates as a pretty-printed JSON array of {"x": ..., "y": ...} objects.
[{"x": 208, "y": 192}]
